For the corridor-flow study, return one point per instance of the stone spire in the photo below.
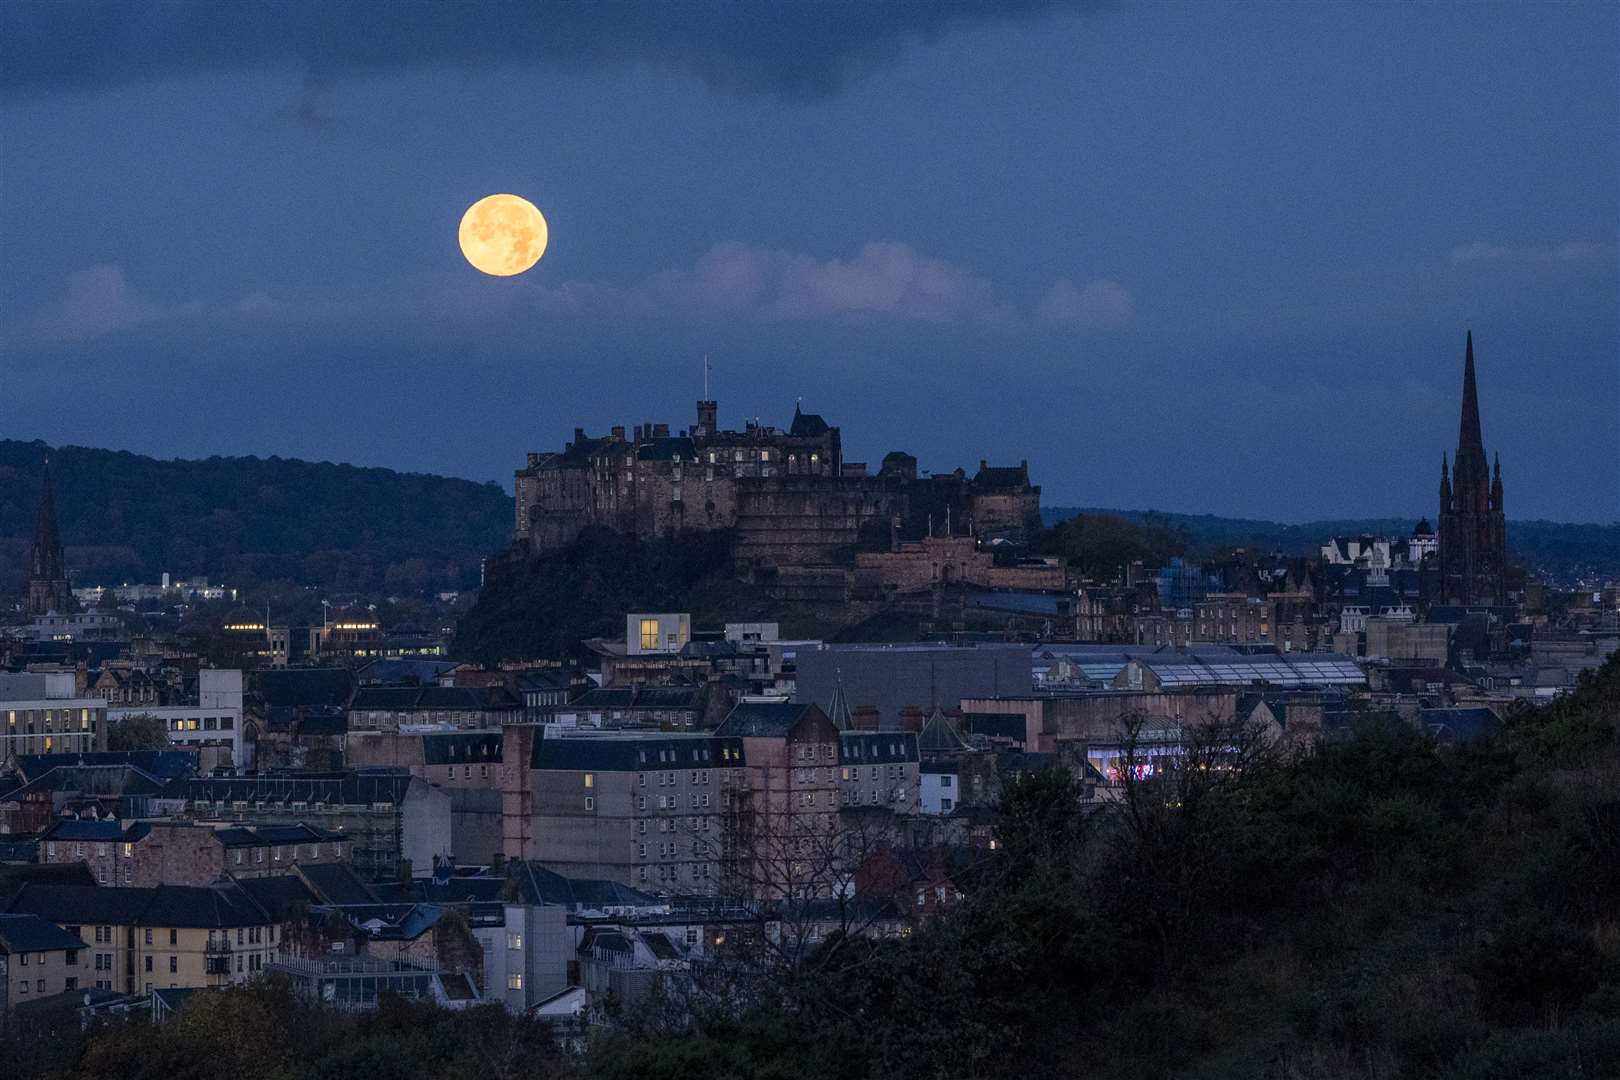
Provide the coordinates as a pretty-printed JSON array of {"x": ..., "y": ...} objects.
[
  {"x": 1445, "y": 484},
  {"x": 48, "y": 588},
  {"x": 1468, "y": 435},
  {"x": 838, "y": 709}
]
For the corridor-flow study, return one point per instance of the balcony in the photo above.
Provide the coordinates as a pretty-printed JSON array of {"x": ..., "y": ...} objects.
[{"x": 218, "y": 947}]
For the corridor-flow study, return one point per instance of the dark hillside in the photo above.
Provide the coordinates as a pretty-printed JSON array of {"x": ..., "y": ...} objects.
[{"x": 246, "y": 520}]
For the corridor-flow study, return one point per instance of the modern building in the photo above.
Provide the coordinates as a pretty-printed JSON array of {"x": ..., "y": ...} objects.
[{"x": 44, "y": 713}]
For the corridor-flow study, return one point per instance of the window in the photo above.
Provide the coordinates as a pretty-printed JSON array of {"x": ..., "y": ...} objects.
[
  {"x": 148, "y": 963},
  {"x": 148, "y": 935},
  {"x": 945, "y": 805},
  {"x": 174, "y": 965},
  {"x": 72, "y": 983},
  {"x": 649, "y": 635},
  {"x": 641, "y": 802},
  {"x": 73, "y": 958},
  {"x": 514, "y": 981},
  {"x": 590, "y": 803},
  {"x": 514, "y": 941},
  {"x": 174, "y": 937},
  {"x": 590, "y": 779}
]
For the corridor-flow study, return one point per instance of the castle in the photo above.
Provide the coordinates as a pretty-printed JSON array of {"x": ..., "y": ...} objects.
[{"x": 789, "y": 494}]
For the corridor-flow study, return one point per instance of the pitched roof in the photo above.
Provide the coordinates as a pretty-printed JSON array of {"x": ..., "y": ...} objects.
[
  {"x": 764, "y": 719},
  {"x": 461, "y": 747},
  {"x": 335, "y": 883},
  {"x": 876, "y": 747},
  {"x": 163, "y": 764},
  {"x": 807, "y": 425},
  {"x": 635, "y": 754},
  {"x": 300, "y": 687},
  {"x": 339, "y": 789},
  {"x": 941, "y": 735},
  {"x": 30, "y": 933},
  {"x": 104, "y": 780}
]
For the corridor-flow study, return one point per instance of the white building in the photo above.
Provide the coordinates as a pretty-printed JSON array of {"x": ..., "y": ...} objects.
[{"x": 215, "y": 721}]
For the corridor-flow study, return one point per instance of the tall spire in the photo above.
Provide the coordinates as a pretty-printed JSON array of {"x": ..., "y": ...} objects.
[
  {"x": 46, "y": 563},
  {"x": 48, "y": 586},
  {"x": 1468, "y": 437}
]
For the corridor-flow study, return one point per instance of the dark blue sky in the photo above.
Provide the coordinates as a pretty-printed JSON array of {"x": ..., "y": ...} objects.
[{"x": 1206, "y": 258}]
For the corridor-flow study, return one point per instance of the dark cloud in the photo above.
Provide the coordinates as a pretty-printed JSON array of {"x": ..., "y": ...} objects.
[{"x": 795, "y": 49}]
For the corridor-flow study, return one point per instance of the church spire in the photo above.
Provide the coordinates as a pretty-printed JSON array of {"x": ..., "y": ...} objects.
[
  {"x": 46, "y": 563},
  {"x": 1445, "y": 484},
  {"x": 48, "y": 587},
  {"x": 1468, "y": 436}
]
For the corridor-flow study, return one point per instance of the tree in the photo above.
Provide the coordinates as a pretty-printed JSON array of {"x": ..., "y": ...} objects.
[{"x": 142, "y": 731}]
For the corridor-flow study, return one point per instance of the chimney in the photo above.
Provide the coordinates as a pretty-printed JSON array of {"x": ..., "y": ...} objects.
[
  {"x": 579, "y": 435},
  {"x": 660, "y": 431},
  {"x": 618, "y": 431},
  {"x": 637, "y": 430},
  {"x": 912, "y": 718},
  {"x": 864, "y": 718},
  {"x": 983, "y": 464}
]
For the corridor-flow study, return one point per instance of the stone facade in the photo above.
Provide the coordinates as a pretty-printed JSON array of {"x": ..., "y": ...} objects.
[{"x": 793, "y": 499}]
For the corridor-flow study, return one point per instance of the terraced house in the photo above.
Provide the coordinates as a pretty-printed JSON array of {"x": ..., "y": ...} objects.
[{"x": 169, "y": 936}]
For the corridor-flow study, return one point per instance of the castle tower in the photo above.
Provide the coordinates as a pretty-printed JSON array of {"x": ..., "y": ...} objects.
[
  {"x": 1473, "y": 529},
  {"x": 48, "y": 587}
]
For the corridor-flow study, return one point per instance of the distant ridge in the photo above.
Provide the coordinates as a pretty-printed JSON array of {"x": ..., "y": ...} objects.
[
  {"x": 1563, "y": 550},
  {"x": 248, "y": 520},
  {"x": 244, "y": 521}
]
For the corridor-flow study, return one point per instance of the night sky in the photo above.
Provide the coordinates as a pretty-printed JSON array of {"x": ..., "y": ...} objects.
[{"x": 1204, "y": 257}]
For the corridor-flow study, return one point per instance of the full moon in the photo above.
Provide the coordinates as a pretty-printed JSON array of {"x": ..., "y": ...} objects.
[{"x": 503, "y": 235}]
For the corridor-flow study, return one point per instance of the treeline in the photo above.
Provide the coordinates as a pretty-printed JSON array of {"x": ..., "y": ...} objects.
[
  {"x": 1385, "y": 906},
  {"x": 545, "y": 607},
  {"x": 250, "y": 522},
  {"x": 1562, "y": 551},
  {"x": 266, "y": 1032}
]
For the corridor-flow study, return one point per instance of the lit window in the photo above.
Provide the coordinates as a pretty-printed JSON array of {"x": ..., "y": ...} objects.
[
  {"x": 590, "y": 779},
  {"x": 649, "y": 634},
  {"x": 514, "y": 941},
  {"x": 514, "y": 981}
]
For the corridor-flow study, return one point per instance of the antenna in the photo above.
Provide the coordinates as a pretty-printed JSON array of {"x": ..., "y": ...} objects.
[{"x": 706, "y": 377}]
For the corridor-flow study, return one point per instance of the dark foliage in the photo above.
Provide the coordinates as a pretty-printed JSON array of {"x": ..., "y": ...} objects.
[
  {"x": 248, "y": 521},
  {"x": 544, "y": 607}
]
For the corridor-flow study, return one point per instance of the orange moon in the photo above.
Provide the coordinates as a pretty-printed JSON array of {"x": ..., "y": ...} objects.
[{"x": 503, "y": 235}]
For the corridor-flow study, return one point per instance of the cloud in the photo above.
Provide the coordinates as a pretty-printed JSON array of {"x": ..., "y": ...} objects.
[
  {"x": 803, "y": 49},
  {"x": 1097, "y": 305},
  {"x": 1574, "y": 252},
  {"x": 98, "y": 302},
  {"x": 884, "y": 280}
]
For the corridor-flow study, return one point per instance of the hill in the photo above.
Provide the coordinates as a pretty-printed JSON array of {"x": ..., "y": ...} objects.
[
  {"x": 247, "y": 521},
  {"x": 1563, "y": 552}
]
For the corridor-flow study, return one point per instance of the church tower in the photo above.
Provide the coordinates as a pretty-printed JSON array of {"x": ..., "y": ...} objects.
[
  {"x": 48, "y": 588},
  {"x": 1473, "y": 529}
]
